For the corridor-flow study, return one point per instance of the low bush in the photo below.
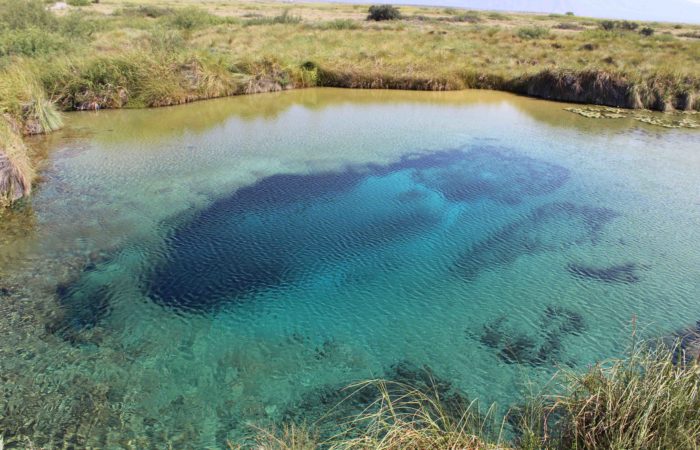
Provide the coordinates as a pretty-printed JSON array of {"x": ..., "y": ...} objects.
[
  {"x": 22, "y": 14},
  {"x": 469, "y": 17},
  {"x": 533, "y": 32},
  {"x": 29, "y": 42},
  {"x": 337, "y": 24},
  {"x": 383, "y": 12},
  {"x": 624, "y": 25},
  {"x": 284, "y": 18},
  {"x": 191, "y": 18},
  {"x": 150, "y": 11},
  {"x": 646, "y": 31}
]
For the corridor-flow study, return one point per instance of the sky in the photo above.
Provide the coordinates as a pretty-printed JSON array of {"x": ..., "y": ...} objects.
[{"x": 686, "y": 11}]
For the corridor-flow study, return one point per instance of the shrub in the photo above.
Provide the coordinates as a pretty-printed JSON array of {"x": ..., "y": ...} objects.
[
  {"x": 150, "y": 11},
  {"x": 568, "y": 26},
  {"x": 607, "y": 25},
  {"x": 284, "y": 18},
  {"x": 17, "y": 15},
  {"x": 383, "y": 12},
  {"x": 570, "y": 13},
  {"x": 624, "y": 25},
  {"x": 646, "y": 31},
  {"x": 469, "y": 16},
  {"x": 74, "y": 25},
  {"x": 627, "y": 25},
  {"x": 533, "y": 32},
  {"x": 338, "y": 24},
  {"x": 79, "y": 2},
  {"x": 191, "y": 18},
  {"x": 29, "y": 42}
]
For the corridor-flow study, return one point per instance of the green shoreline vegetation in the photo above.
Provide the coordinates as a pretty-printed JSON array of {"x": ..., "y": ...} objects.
[{"x": 118, "y": 54}]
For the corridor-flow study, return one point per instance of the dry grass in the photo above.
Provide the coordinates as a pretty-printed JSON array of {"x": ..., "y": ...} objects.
[
  {"x": 16, "y": 171},
  {"x": 648, "y": 400},
  {"x": 405, "y": 418}
]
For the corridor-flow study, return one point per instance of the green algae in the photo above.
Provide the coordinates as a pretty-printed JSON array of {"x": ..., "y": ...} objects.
[{"x": 675, "y": 119}]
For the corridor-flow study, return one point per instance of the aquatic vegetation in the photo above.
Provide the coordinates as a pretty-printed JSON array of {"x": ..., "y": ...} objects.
[
  {"x": 686, "y": 119},
  {"x": 349, "y": 406},
  {"x": 515, "y": 346},
  {"x": 624, "y": 273},
  {"x": 552, "y": 227},
  {"x": 495, "y": 174},
  {"x": 686, "y": 344}
]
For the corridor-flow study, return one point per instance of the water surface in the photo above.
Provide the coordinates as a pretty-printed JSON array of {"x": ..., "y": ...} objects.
[{"x": 184, "y": 272}]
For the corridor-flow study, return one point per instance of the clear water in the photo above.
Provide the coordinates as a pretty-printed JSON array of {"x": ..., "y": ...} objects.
[{"x": 184, "y": 272}]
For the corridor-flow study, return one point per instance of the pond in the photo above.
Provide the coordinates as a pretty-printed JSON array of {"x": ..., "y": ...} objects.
[{"x": 183, "y": 273}]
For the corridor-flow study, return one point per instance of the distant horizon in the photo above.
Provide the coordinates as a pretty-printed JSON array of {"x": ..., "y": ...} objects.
[{"x": 681, "y": 11}]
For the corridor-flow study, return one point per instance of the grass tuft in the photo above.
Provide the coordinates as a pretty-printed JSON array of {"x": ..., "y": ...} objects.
[
  {"x": 403, "y": 417},
  {"x": 644, "y": 401},
  {"x": 16, "y": 173}
]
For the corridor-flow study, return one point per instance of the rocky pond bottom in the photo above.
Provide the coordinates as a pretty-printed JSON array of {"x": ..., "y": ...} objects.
[{"x": 186, "y": 273}]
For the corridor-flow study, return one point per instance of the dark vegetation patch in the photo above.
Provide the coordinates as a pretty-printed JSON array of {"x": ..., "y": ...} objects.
[
  {"x": 85, "y": 301},
  {"x": 685, "y": 344},
  {"x": 624, "y": 273},
  {"x": 495, "y": 174},
  {"x": 552, "y": 227},
  {"x": 383, "y": 12},
  {"x": 544, "y": 347},
  {"x": 533, "y": 32},
  {"x": 622, "y": 25}
]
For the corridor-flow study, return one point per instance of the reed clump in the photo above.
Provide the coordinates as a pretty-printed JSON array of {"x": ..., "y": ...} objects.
[{"x": 648, "y": 400}]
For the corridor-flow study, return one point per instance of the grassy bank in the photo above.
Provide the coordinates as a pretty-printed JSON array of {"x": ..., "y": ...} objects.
[
  {"x": 648, "y": 400},
  {"x": 116, "y": 54}
]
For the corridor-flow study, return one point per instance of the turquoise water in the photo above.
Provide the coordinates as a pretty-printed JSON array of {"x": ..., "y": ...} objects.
[{"x": 186, "y": 272}]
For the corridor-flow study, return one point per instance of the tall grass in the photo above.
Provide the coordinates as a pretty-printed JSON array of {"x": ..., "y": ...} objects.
[
  {"x": 647, "y": 400},
  {"x": 642, "y": 402},
  {"x": 16, "y": 172},
  {"x": 403, "y": 417},
  {"x": 22, "y": 97}
]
